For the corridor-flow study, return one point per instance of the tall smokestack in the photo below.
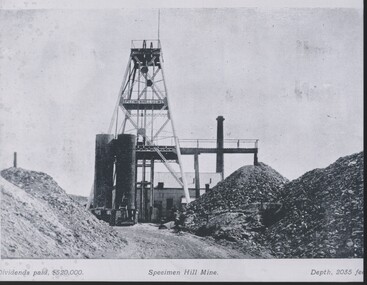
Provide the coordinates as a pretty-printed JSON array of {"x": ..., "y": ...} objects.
[
  {"x": 15, "y": 160},
  {"x": 220, "y": 158}
]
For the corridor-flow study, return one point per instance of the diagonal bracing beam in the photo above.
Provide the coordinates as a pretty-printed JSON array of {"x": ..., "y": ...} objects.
[
  {"x": 165, "y": 161},
  {"x": 161, "y": 128}
]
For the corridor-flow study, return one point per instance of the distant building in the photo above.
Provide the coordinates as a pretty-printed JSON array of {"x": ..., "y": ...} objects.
[{"x": 169, "y": 194}]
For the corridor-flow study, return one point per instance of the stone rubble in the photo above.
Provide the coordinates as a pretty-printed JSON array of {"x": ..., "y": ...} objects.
[
  {"x": 319, "y": 215},
  {"x": 39, "y": 220},
  {"x": 233, "y": 209},
  {"x": 324, "y": 213}
]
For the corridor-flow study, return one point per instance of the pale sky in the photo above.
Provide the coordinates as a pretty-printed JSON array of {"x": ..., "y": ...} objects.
[{"x": 293, "y": 78}]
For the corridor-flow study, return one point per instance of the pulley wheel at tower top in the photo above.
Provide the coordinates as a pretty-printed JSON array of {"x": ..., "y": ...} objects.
[
  {"x": 144, "y": 69},
  {"x": 149, "y": 82}
]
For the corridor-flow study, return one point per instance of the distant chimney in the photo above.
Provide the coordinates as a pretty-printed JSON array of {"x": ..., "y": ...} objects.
[
  {"x": 160, "y": 185},
  {"x": 15, "y": 160},
  {"x": 220, "y": 142}
]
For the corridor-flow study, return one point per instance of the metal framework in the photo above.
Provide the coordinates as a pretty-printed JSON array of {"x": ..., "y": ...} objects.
[
  {"x": 144, "y": 105},
  {"x": 219, "y": 147}
]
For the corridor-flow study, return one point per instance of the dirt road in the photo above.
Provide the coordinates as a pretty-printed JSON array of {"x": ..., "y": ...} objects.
[{"x": 147, "y": 241}]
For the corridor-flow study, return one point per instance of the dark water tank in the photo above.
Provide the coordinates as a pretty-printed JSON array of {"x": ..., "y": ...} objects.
[
  {"x": 125, "y": 148},
  {"x": 103, "y": 173}
]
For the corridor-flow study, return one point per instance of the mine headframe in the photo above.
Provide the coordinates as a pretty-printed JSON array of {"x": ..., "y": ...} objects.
[{"x": 124, "y": 170}]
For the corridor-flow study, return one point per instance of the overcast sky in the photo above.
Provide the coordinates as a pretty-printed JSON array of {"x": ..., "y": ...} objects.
[{"x": 290, "y": 77}]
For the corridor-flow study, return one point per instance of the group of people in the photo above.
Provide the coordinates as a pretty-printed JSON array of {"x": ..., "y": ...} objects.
[{"x": 177, "y": 216}]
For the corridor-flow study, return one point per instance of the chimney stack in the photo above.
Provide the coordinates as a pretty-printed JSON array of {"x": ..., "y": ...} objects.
[
  {"x": 15, "y": 160},
  {"x": 207, "y": 188},
  {"x": 220, "y": 142}
]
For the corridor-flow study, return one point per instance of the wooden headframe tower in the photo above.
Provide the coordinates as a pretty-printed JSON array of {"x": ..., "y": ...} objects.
[{"x": 143, "y": 110}]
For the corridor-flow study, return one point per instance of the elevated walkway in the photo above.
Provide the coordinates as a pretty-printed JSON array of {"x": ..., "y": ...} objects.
[{"x": 199, "y": 146}]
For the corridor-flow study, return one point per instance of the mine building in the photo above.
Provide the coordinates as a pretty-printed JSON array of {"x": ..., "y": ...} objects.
[{"x": 168, "y": 193}]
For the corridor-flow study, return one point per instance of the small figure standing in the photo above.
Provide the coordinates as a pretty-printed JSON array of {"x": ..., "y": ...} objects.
[{"x": 179, "y": 221}]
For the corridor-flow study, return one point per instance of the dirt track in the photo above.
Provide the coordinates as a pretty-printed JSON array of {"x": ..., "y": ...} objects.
[{"x": 147, "y": 241}]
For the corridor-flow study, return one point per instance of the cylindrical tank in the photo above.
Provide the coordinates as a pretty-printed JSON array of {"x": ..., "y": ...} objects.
[
  {"x": 103, "y": 173},
  {"x": 125, "y": 171}
]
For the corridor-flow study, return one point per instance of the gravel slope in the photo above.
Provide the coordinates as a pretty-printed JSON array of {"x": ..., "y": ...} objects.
[
  {"x": 320, "y": 214},
  {"x": 232, "y": 210},
  {"x": 39, "y": 220},
  {"x": 325, "y": 214}
]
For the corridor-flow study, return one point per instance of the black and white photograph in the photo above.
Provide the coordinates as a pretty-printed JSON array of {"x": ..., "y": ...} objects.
[{"x": 220, "y": 141}]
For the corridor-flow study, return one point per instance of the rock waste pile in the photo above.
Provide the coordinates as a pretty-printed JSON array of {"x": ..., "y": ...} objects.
[
  {"x": 39, "y": 220},
  {"x": 324, "y": 213},
  {"x": 232, "y": 209},
  {"x": 319, "y": 215}
]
